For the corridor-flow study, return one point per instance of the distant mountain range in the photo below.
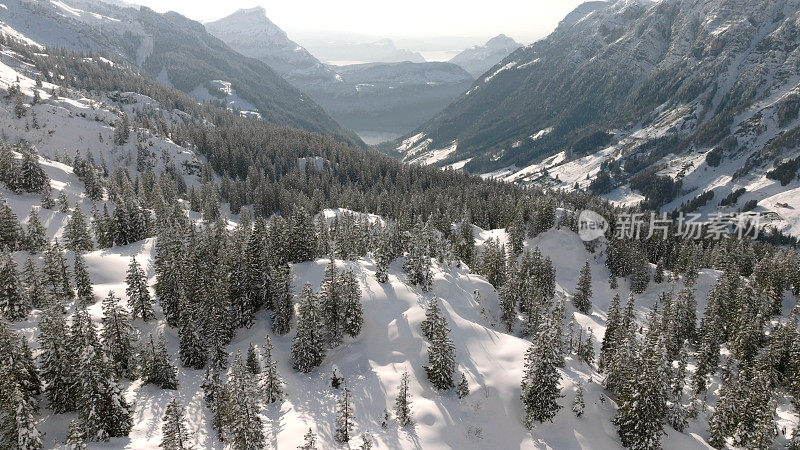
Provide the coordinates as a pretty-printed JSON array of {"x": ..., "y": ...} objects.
[
  {"x": 177, "y": 52},
  {"x": 378, "y": 100},
  {"x": 684, "y": 105},
  {"x": 480, "y": 58}
]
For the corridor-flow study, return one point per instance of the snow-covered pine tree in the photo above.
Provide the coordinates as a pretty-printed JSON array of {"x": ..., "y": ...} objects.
[
  {"x": 167, "y": 265},
  {"x": 418, "y": 260},
  {"x": 192, "y": 347},
  {"x": 35, "y": 234},
  {"x": 243, "y": 421},
  {"x": 441, "y": 358},
  {"x": 77, "y": 234},
  {"x": 55, "y": 274},
  {"x": 216, "y": 399},
  {"x": 102, "y": 409},
  {"x": 32, "y": 178},
  {"x": 17, "y": 415},
  {"x": 578, "y": 404},
  {"x": 10, "y": 231},
  {"x": 14, "y": 305},
  {"x": 344, "y": 417},
  {"x": 587, "y": 348},
  {"x": 118, "y": 337},
  {"x": 383, "y": 256},
  {"x": 366, "y": 441},
  {"x": 516, "y": 235},
  {"x": 308, "y": 348},
  {"x": 402, "y": 403},
  {"x": 174, "y": 435},
  {"x": 83, "y": 285},
  {"x": 462, "y": 390},
  {"x": 76, "y": 437},
  {"x": 303, "y": 236},
  {"x": 309, "y": 441},
  {"x": 155, "y": 365},
  {"x": 433, "y": 319},
  {"x": 32, "y": 285},
  {"x": 281, "y": 295},
  {"x": 271, "y": 383},
  {"x": 582, "y": 298},
  {"x": 352, "y": 311},
  {"x": 540, "y": 384},
  {"x": 139, "y": 299},
  {"x": 330, "y": 300},
  {"x": 253, "y": 363},
  {"x": 57, "y": 362},
  {"x": 610, "y": 338},
  {"x": 492, "y": 264}
]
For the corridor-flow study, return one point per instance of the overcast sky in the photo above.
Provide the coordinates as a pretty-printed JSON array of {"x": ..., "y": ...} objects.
[{"x": 524, "y": 20}]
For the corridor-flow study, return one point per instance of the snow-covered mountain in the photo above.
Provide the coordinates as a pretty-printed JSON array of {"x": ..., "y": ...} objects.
[
  {"x": 252, "y": 34},
  {"x": 480, "y": 58},
  {"x": 700, "y": 94},
  {"x": 380, "y": 101},
  {"x": 178, "y": 52}
]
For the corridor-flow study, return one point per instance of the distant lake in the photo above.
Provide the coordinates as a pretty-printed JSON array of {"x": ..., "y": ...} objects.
[{"x": 376, "y": 137}]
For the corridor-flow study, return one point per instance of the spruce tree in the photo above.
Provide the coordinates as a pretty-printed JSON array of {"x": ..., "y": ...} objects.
[
  {"x": 168, "y": 264},
  {"x": 32, "y": 285},
  {"x": 282, "y": 298},
  {"x": 330, "y": 305},
  {"x": 578, "y": 405},
  {"x": 344, "y": 417},
  {"x": 83, "y": 285},
  {"x": 155, "y": 365},
  {"x": 32, "y": 178},
  {"x": 14, "y": 305},
  {"x": 10, "y": 231},
  {"x": 582, "y": 298},
  {"x": 309, "y": 441},
  {"x": 139, "y": 299},
  {"x": 55, "y": 274},
  {"x": 462, "y": 390},
  {"x": 433, "y": 319},
  {"x": 302, "y": 237},
  {"x": 17, "y": 422},
  {"x": 402, "y": 403},
  {"x": 118, "y": 338},
  {"x": 57, "y": 361},
  {"x": 193, "y": 346},
  {"x": 35, "y": 234},
  {"x": 76, "y": 437},
  {"x": 540, "y": 384},
  {"x": 271, "y": 383},
  {"x": 174, "y": 435},
  {"x": 441, "y": 358},
  {"x": 253, "y": 364},
  {"x": 308, "y": 349},
  {"x": 77, "y": 233},
  {"x": 352, "y": 311},
  {"x": 244, "y": 422}
]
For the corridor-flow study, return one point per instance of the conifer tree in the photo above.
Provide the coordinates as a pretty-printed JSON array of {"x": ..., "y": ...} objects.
[
  {"x": 418, "y": 261},
  {"x": 441, "y": 358},
  {"x": 76, "y": 437},
  {"x": 578, "y": 405},
  {"x": 174, "y": 435},
  {"x": 303, "y": 236},
  {"x": 83, "y": 285},
  {"x": 282, "y": 298},
  {"x": 118, "y": 337},
  {"x": 582, "y": 298},
  {"x": 352, "y": 311},
  {"x": 35, "y": 234},
  {"x": 193, "y": 346},
  {"x": 433, "y": 319},
  {"x": 138, "y": 293},
  {"x": 309, "y": 441},
  {"x": 32, "y": 285},
  {"x": 14, "y": 304},
  {"x": 17, "y": 422},
  {"x": 308, "y": 349},
  {"x": 77, "y": 233},
  {"x": 540, "y": 384},
  {"x": 402, "y": 403},
  {"x": 613, "y": 322},
  {"x": 253, "y": 364},
  {"x": 55, "y": 274},
  {"x": 32, "y": 177},
  {"x": 216, "y": 398},
  {"x": 344, "y": 417},
  {"x": 271, "y": 383},
  {"x": 167, "y": 266},
  {"x": 102, "y": 409},
  {"x": 57, "y": 361},
  {"x": 244, "y": 423},
  {"x": 462, "y": 390},
  {"x": 155, "y": 365},
  {"x": 10, "y": 231},
  {"x": 383, "y": 257},
  {"x": 47, "y": 201},
  {"x": 331, "y": 305}
]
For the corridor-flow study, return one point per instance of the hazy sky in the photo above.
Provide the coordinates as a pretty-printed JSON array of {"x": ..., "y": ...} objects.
[{"x": 524, "y": 20}]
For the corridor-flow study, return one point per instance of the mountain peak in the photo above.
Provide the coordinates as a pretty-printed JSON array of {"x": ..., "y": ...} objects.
[{"x": 501, "y": 40}]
